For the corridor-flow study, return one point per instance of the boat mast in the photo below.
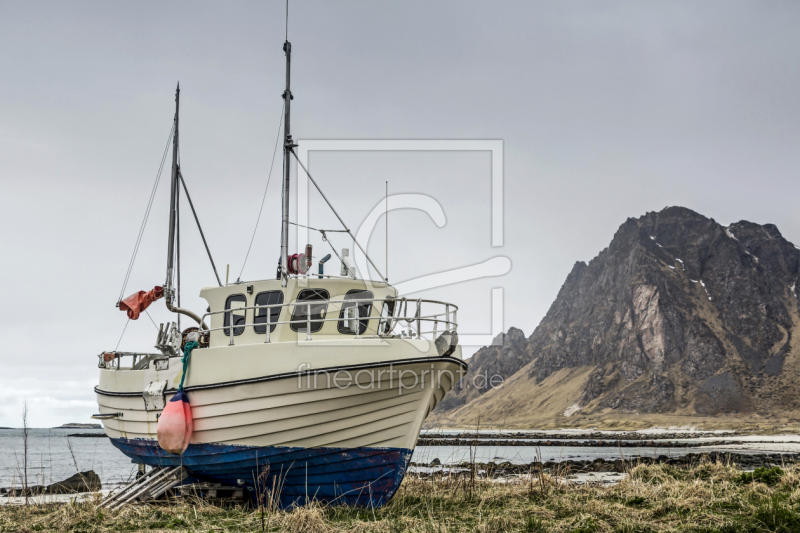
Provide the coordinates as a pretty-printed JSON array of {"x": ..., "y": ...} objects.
[
  {"x": 287, "y": 150},
  {"x": 173, "y": 202}
]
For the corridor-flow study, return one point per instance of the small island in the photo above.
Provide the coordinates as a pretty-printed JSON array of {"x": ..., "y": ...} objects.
[{"x": 76, "y": 425}]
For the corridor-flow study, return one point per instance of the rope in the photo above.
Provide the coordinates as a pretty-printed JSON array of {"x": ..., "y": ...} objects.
[
  {"x": 151, "y": 319},
  {"x": 146, "y": 216},
  {"x": 320, "y": 230},
  {"x": 123, "y": 333},
  {"x": 213, "y": 266},
  {"x": 187, "y": 351},
  {"x": 271, "y": 166},
  {"x": 347, "y": 230},
  {"x": 333, "y": 248}
]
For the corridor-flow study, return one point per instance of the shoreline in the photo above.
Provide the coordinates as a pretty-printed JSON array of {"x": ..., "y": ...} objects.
[{"x": 494, "y": 470}]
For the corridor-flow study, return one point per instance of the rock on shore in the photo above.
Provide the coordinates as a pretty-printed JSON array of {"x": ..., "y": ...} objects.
[{"x": 87, "y": 481}]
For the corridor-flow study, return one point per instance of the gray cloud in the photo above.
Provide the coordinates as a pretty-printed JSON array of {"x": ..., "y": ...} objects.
[{"x": 607, "y": 110}]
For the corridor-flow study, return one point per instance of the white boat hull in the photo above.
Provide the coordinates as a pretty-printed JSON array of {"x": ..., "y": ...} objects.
[{"x": 343, "y": 433}]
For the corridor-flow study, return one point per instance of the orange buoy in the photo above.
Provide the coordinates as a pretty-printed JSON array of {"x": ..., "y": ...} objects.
[{"x": 174, "y": 428}]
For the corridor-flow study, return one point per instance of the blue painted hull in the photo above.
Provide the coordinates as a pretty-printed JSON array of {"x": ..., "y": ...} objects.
[{"x": 356, "y": 476}]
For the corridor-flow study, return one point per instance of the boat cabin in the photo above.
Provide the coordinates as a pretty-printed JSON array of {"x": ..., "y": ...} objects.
[{"x": 307, "y": 308}]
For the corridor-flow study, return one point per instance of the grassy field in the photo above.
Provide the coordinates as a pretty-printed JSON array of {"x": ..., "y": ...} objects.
[{"x": 704, "y": 498}]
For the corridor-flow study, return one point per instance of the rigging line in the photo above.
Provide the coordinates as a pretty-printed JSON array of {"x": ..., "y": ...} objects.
[
  {"x": 208, "y": 251},
  {"x": 146, "y": 216},
  {"x": 271, "y": 167},
  {"x": 325, "y": 239},
  {"x": 178, "y": 244},
  {"x": 151, "y": 319},
  {"x": 123, "y": 333},
  {"x": 178, "y": 237},
  {"x": 337, "y": 214},
  {"x": 315, "y": 229},
  {"x": 287, "y": 20}
]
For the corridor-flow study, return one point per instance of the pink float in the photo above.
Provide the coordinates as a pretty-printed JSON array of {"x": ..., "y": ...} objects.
[{"x": 174, "y": 428}]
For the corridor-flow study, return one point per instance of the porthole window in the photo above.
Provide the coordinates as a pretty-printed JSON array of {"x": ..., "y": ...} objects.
[
  {"x": 234, "y": 302},
  {"x": 347, "y": 317},
  {"x": 318, "y": 300},
  {"x": 268, "y": 298}
]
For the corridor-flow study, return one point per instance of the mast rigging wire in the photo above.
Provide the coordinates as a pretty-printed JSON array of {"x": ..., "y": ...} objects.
[
  {"x": 144, "y": 221},
  {"x": 337, "y": 214},
  {"x": 196, "y": 219},
  {"x": 151, "y": 319},
  {"x": 271, "y": 167},
  {"x": 178, "y": 238},
  {"x": 325, "y": 237},
  {"x": 123, "y": 334},
  {"x": 320, "y": 230}
]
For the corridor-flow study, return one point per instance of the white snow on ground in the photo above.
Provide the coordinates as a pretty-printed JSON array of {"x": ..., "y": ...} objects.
[
  {"x": 730, "y": 234},
  {"x": 792, "y": 287},
  {"x": 704, "y": 288},
  {"x": 653, "y": 238},
  {"x": 672, "y": 267},
  {"x": 778, "y": 447},
  {"x": 693, "y": 280},
  {"x": 659, "y": 245},
  {"x": 572, "y": 409},
  {"x": 676, "y": 259},
  {"x": 677, "y": 429},
  {"x": 798, "y": 247},
  {"x": 609, "y": 478}
]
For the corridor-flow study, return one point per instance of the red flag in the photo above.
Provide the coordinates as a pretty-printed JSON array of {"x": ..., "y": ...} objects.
[{"x": 136, "y": 303}]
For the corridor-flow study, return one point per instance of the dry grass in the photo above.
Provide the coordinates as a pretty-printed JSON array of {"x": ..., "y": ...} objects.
[{"x": 705, "y": 498}]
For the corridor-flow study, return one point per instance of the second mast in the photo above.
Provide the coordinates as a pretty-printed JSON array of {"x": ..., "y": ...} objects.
[{"x": 287, "y": 149}]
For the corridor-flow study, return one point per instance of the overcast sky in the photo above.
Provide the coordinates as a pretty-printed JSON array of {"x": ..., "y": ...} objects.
[{"x": 607, "y": 110}]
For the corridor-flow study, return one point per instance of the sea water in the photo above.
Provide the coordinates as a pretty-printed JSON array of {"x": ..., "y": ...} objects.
[{"x": 54, "y": 456}]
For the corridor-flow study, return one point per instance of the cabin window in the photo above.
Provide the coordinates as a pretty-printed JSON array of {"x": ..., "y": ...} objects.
[
  {"x": 318, "y": 298},
  {"x": 387, "y": 313},
  {"x": 234, "y": 302},
  {"x": 347, "y": 317},
  {"x": 268, "y": 298}
]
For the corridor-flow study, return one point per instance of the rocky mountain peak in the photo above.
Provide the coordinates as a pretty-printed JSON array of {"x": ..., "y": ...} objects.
[{"x": 678, "y": 315}]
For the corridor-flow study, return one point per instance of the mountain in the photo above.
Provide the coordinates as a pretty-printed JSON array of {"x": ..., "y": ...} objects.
[{"x": 679, "y": 320}]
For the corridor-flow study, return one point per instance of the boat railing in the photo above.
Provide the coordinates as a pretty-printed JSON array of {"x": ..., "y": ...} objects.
[
  {"x": 444, "y": 319},
  {"x": 139, "y": 361}
]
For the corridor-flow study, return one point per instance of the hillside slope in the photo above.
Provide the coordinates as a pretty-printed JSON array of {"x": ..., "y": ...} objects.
[{"x": 679, "y": 317}]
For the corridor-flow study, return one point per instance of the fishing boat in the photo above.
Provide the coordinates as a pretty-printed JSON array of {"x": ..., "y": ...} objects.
[{"x": 307, "y": 386}]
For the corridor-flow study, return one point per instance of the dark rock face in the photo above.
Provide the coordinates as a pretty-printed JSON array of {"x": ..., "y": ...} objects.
[
  {"x": 678, "y": 314},
  {"x": 87, "y": 481},
  {"x": 80, "y": 482},
  {"x": 507, "y": 354}
]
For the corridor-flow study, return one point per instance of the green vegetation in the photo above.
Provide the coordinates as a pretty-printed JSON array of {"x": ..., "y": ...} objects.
[
  {"x": 706, "y": 498},
  {"x": 767, "y": 476}
]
